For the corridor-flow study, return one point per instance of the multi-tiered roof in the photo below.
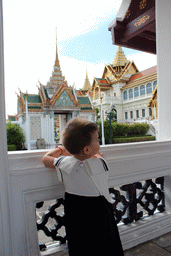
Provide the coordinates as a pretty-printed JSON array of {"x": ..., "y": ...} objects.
[
  {"x": 56, "y": 95},
  {"x": 119, "y": 71}
]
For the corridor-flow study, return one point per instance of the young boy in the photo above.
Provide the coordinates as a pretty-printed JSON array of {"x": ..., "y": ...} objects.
[{"x": 89, "y": 220}]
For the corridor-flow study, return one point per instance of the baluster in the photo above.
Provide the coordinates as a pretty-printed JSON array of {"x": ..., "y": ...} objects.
[{"x": 131, "y": 195}]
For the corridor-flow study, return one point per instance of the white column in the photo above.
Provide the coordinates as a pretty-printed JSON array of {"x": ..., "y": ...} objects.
[
  {"x": 163, "y": 41},
  {"x": 27, "y": 124},
  {"x": 52, "y": 131},
  {"x": 5, "y": 227},
  {"x": 103, "y": 139}
]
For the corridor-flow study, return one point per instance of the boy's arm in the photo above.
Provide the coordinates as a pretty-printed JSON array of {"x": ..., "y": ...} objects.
[{"x": 48, "y": 158}]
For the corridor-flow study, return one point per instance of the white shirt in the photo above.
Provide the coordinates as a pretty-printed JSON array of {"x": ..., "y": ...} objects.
[{"x": 84, "y": 178}]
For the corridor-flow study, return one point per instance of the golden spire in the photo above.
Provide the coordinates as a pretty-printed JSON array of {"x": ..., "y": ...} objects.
[
  {"x": 56, "y": 60},
  {"x": 120, "y": 58},
  {"x": 56, "y": 79},
  {"x": 86, "y": 86}
]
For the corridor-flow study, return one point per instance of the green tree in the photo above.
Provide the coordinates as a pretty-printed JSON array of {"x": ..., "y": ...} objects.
[
  {"x": 15, "y": 136},
  {"x": 97, "y": 114}
]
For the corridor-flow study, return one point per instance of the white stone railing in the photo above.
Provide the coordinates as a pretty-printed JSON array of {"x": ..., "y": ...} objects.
[{"x": 30, "y": 182}]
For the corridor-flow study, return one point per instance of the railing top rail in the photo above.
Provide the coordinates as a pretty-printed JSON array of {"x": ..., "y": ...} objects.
[{"x": 133, "y": 160}]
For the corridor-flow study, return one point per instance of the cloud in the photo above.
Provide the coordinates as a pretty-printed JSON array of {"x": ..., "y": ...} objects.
[
  {"x": 29, "y": 43},
  {"x": 74, "y": 71}
]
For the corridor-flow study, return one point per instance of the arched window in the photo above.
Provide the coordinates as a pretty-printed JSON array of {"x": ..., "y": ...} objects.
[
  {"x": 130, "y": 93},
  {"x": 136, "y": 92},
  {"x": 143, "y": 112},
  {"x": 125, "y": 95},
  {"x": 137, "y": 114},
  {"x": 154, "y": 85},
  {"x": 149, "y": 88},
  {"x": 142, "y": 90}
]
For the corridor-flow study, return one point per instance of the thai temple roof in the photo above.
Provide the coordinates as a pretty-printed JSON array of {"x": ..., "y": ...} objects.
[
  {"x": 33, "y": 98},
  {"x": 120, "y": 58},
  {"x": 56, "y": 94},
  {"x": 87, "y": 86}
]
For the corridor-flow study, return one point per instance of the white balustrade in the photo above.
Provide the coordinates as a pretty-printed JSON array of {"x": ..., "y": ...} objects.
[{"x": 30, "y": 182}]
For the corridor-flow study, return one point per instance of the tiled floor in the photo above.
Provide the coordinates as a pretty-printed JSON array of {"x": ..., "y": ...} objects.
[{"x": 160, "y": 246}]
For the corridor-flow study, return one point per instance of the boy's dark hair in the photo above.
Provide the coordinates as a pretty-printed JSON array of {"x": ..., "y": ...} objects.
[{"x": 78, "y": 134}]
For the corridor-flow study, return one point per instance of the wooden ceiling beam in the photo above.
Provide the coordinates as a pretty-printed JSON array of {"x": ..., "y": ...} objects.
[{"x": 137, "y": 26}]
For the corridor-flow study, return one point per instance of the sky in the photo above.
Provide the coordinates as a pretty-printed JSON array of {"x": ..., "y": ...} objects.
[{"x": 83, "y": 40}]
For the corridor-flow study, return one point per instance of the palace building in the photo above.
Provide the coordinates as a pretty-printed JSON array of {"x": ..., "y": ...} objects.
[
  {"x": 54, "y": 105},
  {"x": 130, "y": 93}
]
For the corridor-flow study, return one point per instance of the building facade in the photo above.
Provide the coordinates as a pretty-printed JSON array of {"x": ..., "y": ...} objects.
[{"x": 125, "y": 90}]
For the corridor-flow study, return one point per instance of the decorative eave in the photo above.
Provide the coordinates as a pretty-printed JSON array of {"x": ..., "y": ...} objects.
[
  {"x": 97, "y": 82},
  {"x": 35, "y": 110},
  {"x": 117, "y": 76},
  {"x": 134, "y": 25},
  {"x": 42, "y": 95},
  {"x": 103, "y": 83},
  {"x": 111, "y": 71},
  {"x": 86, "y": 108},
  {"x": 152, "y": 98},
  {"x": 21, "y": 102},
  {"x": 87, "y": 111}
]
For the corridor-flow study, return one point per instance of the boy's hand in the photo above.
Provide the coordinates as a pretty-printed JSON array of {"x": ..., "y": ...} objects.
[
  {"x": 64, "y": 151},
  {"x": 98, "y": 155},
  {"x": 48, "y": 158}
]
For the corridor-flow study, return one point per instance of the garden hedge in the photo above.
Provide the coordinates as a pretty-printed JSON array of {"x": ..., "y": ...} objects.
[
  {"x": 122, "y": 130},
  {"x": 133, "y": 139}
]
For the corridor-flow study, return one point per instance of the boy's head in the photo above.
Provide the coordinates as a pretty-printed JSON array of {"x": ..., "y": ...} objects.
[{"x": 80, "y": 136}]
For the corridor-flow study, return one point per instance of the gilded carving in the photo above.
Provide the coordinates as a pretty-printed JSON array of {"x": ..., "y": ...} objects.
[
  {"x": 128, "y": 13},
  {"x": 142, "y": 20},
  {"x": 143, "y": 4}
]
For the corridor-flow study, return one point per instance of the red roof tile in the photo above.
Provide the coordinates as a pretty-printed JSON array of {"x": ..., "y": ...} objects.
[
  {"x": 143, "y": 73},
  {"x": 102, "y": 81}
]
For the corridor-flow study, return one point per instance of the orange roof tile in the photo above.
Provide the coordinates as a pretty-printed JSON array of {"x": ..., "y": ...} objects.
[
  {"x": 91, "y": 93},
  {"x": 102, "y": 81},
  {"x": 78, "y": 92},
  {"x": 143, "y": 73}
]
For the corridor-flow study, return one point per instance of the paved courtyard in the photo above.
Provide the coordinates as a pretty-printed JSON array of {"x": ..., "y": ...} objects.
[{"x": 160, "y": 246}]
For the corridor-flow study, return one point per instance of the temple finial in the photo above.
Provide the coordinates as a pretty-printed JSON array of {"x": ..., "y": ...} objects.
[
  {"x": 56, "y": 60},
  {"x": 120, "y": 58},
  {"x": 86, "y": 86},
  {"x": 19, "y": 90}
]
